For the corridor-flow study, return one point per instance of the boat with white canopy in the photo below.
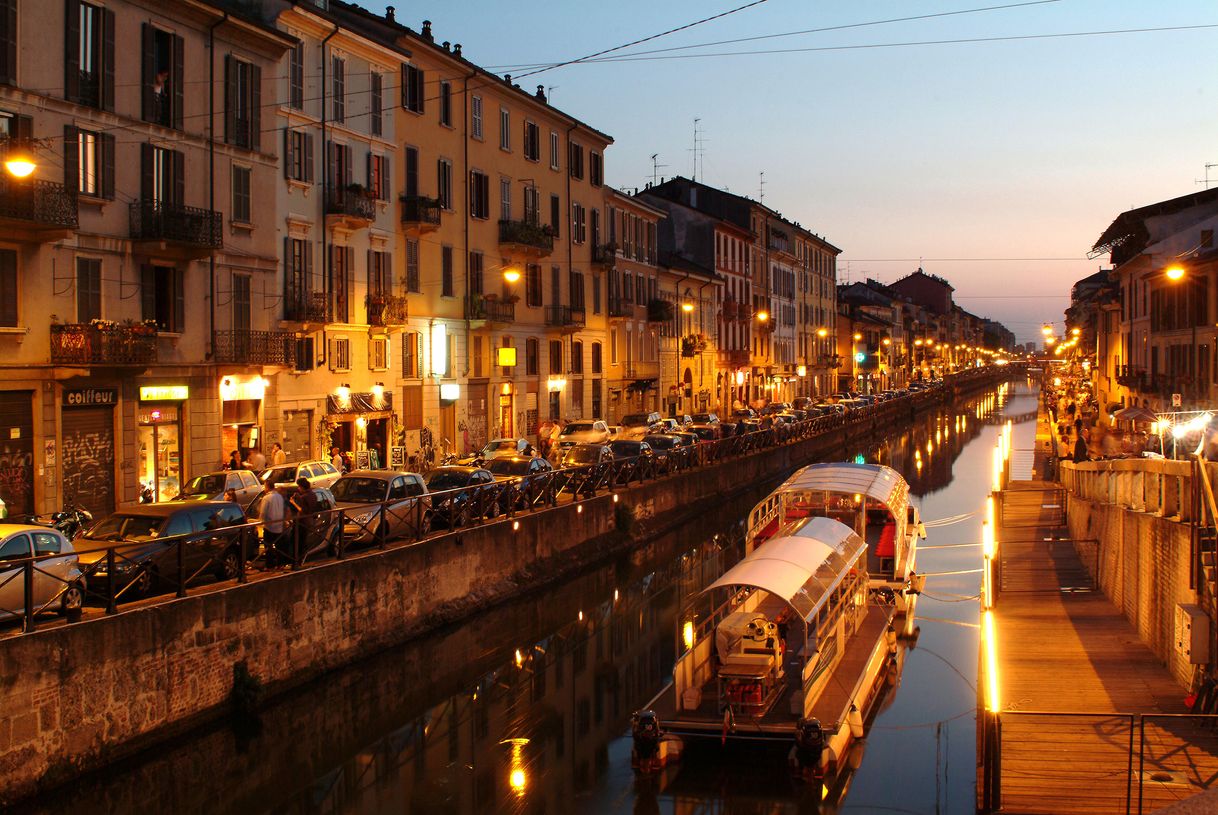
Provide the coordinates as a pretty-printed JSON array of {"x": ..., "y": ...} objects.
[
  {"x": 794, "y": 648},
  {"x": 871, "y": 499}
]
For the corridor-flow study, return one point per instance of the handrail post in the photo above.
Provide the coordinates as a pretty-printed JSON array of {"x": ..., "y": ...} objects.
[
  {"x": 111, "y": 603},
  {"x": 241, "y": 542},
  {"x": 181, "y": 570},
  {"x": 381, "y": 534},
  {"x": 27, "y": 578},
  {"x": 1129, "y": 770},
  {"x": 1141, "y": 755}
]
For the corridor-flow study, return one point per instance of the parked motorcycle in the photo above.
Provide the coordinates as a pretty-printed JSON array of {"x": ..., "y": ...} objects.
[{"x": 71, "y": 520}]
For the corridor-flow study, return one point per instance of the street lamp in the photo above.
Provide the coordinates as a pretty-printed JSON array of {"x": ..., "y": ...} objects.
[
  {"x": 511, "y": 275},
  {"x": 19, "y": 164},
  {"x": 1177, "y": 273},
  {"x": 762, "y": 316}
]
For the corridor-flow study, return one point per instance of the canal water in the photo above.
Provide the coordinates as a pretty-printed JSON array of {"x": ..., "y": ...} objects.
[{"x": 526, "y": 709}]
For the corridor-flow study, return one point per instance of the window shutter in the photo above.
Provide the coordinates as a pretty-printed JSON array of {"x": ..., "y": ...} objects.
[
  {"x": 148, "y": 291},
  {"x": 71, "y": 158},
  {"x": 107, "y": 21},
  {"x": 71, "y": 51},
  {"x": 289, "y": 155},
  {"x": 106, "y": 141},
  {"x": 292, "y": 290},
  {"x": 386, "y": 178},
  {"x": 308, "y": 266},
  {"x": 23, "y": 129},
  {"x": 349, "y": 283},
  {"x": 373, "y": 282},
  {"x": 230, "y": 99},
  {"x": 348, "y": 160},
  {"x": 371, "y": 174},
  {"x": 412, "y": 171},
  {"x": 179, "y": 300},
  {"x": 179, "y": 178},
  {"x": 255, "y": 108},
  {"x": 308, "y": 159},
  {"x": 178, "y": 80},
  {"x": 331, "y": 175},
  {"x": 8, "y": 42},
  {"x": 147, "y": 97},
  {"x": 405, "y": 86},
  {"x": 146, "y": 173},
  {"x": 418, "y": 91}
]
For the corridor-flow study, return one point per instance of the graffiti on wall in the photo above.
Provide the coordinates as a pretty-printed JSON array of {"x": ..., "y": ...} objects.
[
  {"x": 17, "y": 476},
  {"x": 88, "y": 469}
]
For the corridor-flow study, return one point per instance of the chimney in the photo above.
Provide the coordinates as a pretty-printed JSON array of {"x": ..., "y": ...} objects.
[
  {"x": 389, "y": 10},
  {"x": 457, "y": 48},
  {"x": 507, "y": 78},
  {"x": 541, "y": 92},
  {"x": 447, "y": 45},
  {"x": 426, "y": 34}
]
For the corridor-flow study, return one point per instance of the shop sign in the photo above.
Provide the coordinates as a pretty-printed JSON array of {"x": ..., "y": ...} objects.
[
  {"x": 164, "y": 393},
  {"x": 85, "y": 397}
]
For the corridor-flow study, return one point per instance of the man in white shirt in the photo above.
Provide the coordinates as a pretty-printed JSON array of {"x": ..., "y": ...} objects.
[
  {"x": 257, "y": 461},
  {"x": 271, "y": 513}
]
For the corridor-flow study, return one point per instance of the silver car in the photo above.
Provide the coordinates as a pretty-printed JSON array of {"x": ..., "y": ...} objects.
[
  {"x": 212, "y": 487},
  {"x": 362, "y": 493},
  {"x": 59, "y": 584}
]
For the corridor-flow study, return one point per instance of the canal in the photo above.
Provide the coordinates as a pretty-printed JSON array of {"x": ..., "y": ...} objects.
[{"x": 527, "y": 708}]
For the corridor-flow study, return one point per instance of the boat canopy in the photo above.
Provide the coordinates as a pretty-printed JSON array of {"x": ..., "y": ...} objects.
[
  {"x": 884, "y": 484},
  {"x": 803, "y": 568}
]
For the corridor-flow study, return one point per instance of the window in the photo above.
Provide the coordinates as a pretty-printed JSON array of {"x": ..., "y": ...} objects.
[
  {"x": 297, "y": 279},
  {"x": 378, "y": 353},
  {"x": 555, "y": 214},
  {"x": 475, "y": 272},
  {"x": 339, "y": 170},
  {"x": 575, "y": 160},
  {"x": 410, "y": 356},
  {"x": 596, "y": 358},
  {"x": 532, "y": 203},
  {"x": 8, "y": 42},
  {"x": 304, "y": 355},
  {"x": 298, "y": 156},
  {"x": 8, "y": 288},
  {"x": 296, "y": 77},
  {"x": 380, "y": 273},
  {"x": 444, "y": 183},
  {"x": 478, "y": 357},
  {"x": 412, "y": 88},
  {"x": 88, "y": 289},
  {"x": 505, "y": 129},
  {"x": 479, "y": 195},
  {"x": 475, "y": 114},
  {"x": 412, "y": 266},
  {"x": 89, "y": 63},
  {"x": 379, "y": 177},
  {"x": 505, "y": 199},
  {"x": 577, "y": 290},
  {"x": 242, "y": 302},
  {"x": 446, "y": 103},
  {"x": 446, "y": 271},
  {"x": 338, "y": 90},
  {"x": 596, "y": 293},
  {"x": 532, "y": 141},
  {"x": 242, "y": 102},
  {"x": 162, "y": 297},
  {"x": 530, "y": 356},
  {"x": 555, "y": 404},
  {"x": 342, "y": 259},
  {"x": 376, "y": 103},
  {"x": 241, "y": 195},
  {"x": 578, "y": 225},
  {"x": 89, "y": 162},
  {"x": 554, "y": 150},
  {"x": 162, "y": 81},
  {"x": 577, "y": 357},
  {"x": 163, "y": 180},
  {"x": 532, "y": 285},
  {"x": 596, "y": 168},
  {"x": 555, "y": 356},
  {"x": 340, "y": 354}
]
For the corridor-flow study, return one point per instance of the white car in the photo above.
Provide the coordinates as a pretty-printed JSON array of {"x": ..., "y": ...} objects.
[
  {"x": 592, "y": 431},
  {"x": 59, "y": 585},
  {"x": 635, "y": 426}
]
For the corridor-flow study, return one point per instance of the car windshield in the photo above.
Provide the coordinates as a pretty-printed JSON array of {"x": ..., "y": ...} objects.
[
  {"x": 500, "y": 444},
  {"x": 576, "y": 427},
  {"x": 701, "y": 417},
  {"x": 509, "y": 466},
  {"x": 279, "y": 475},
  {"x": 447, "y": 480},
  {"x": 662, "y": 442},
  {"x": 625, "y": 448},
  {"x": 359, "y": 490},
  {"x": 634, "y": 420},
  {"x": 127, "y": 527},
  {"x": 583, "y": 455},
  {"x": 205, "y": 485}
]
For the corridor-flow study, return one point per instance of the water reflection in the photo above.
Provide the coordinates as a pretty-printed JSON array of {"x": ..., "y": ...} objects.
[{"x": 526, "y": 709}]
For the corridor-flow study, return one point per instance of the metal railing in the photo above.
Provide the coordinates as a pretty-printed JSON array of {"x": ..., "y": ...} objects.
[
  {"x": 156, "y": 220},
  {"x": 304, "y": 306},
  {"x": 478, "y": 307},
  {"x": 89, "y": 344},
  {"x": 419, "y": 209},
  {"x": 42, "y": 202},
  {"x": 386, "y": 309},
  {"x": 351, "y": 203},
  {"x": 127, "y": 571},
  {"x": 527, "y": 233},
  {"x": 566, "y": 316},
  {"x": 254, "y": 347}
]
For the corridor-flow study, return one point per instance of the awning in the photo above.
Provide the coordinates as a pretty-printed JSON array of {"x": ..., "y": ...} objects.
[
  {"x": 884, "y": 484},
  {"x": 802, "y": 569},
  {"x": 1135, "y": 414}
]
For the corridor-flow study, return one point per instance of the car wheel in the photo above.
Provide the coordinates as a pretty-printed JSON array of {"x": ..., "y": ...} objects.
[
  {"x": 145, "y": 583},
  {"x": 425, "y": 525},
  {"x": 72, "y": 601},
  {"x": 230, "y": 564}
]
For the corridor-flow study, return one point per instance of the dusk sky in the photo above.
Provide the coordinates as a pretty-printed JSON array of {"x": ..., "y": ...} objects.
[{"x": 983, "y": 159}]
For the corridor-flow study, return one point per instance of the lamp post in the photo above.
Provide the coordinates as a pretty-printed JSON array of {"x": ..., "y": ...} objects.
[{"x": 1177, "y": 273}]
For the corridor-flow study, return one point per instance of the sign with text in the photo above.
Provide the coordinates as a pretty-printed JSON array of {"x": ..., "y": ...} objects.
[
  {"x": 87, "y": 397},
  {"x": 164, "y": 393},
  {"x": 397, "y": 458}
]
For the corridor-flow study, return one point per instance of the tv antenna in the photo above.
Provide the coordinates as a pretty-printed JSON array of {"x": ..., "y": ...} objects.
[
  {"x": 655, "y": 169},
  {"x": 550, "y": 93},
  {"x": 761, "y": 188},
  {"x": 699, "y": 149},
  {"x": 1206, "y": 180}
]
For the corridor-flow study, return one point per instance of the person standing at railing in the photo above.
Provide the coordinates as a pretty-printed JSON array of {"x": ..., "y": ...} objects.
[{"x": 271, "y": 513}]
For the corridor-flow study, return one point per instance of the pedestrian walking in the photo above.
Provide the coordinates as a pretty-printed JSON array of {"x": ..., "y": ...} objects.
[
  {"x": 271, "y": 512},
  {"x": 277, "y": 454},
  {"x": 1080, "y": 449},
  {"x": 336, "y": 458},
  {"x": 256, "y": 461}
]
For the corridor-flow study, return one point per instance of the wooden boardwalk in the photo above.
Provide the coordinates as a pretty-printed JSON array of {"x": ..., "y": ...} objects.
[{"x": 1074, "y": 679}]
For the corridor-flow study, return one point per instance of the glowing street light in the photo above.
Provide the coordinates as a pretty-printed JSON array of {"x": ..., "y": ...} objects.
[
  {"x": 687, "y": 307},
  {"x": 19, "y": 164},
  {"x": 762, "y": 316},
  {"x": 1174, "y": 272},
  {"x": 511, "y": 275},
  {"x": 822, "y": 332}
]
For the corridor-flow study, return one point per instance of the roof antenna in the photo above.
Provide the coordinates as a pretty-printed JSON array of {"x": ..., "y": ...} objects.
[
  {"x": 1206, "y": 180},
  {"x": 761, "y": 189},
  {"x": 655, "y": 169},
  {"x": 698, "y": 151}
]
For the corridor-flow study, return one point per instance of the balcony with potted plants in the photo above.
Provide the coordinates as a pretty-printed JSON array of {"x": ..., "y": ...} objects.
[
  {"x": 351, "y": 207},
  {"x": 385, "y": 309},
  {"x": 491, "y": 308},
  {"x": 191, "y": 232},
  {"x": 301, "y": 305},
  {"x": 604, "y": 254},
  {"x": 568, "y": 318},
  {"x": 104, "y": 343},
  {"x": 420, "y": 214},
  {"x": 526, "y": 238}
]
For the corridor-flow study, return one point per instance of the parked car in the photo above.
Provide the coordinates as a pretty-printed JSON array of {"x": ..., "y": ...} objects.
[
  {"x": 526, "y": 474},
  {"x": 463, "y": 495},
  {"x": 147, "y": 539},
  {"x": 774, "y": 407},
  {"x": 705, "y": 418},
  {"x": 637, "y": 425},
  {"x": 592, "y": 431},
  {"x": 678, "y": 423},
  {"x": 706, "y": 432},
  {"x": 59, "y": 584},
  {"x": 361, "y": 493},
  {"x": 583, "y": 464},
  {"x": 500, "y": 448},
  {"x": 284, "y": 476},
  {"x": 802, "y": 402},
  {"x": 212, "y": 486},
  {"x": 665, "y": 447},
  {"x": 632, "y": 456},
  {"x": 685, "y": 438}
]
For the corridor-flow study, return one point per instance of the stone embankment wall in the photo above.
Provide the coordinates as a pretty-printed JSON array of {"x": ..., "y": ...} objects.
[
  {"x": 1130, "y": 521},
  {"x": 77, "y": 697}
]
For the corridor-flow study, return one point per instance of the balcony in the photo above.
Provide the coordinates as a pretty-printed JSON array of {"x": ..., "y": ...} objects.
[
  {"x": 737, "y": 358},
  {"x": 526, "y": 238},
  {"x": 102, "y": 343},
  {"x": 352, "y": 208},
  {"x": 306, "y": 306},
  {"x": 36, "y": 211},
  {"x": 566, "y": 317},
  {"x": 420, "y": 214},
  {"x": 254, "y": 347},
  {"x": 193, "y": 231},
  {"x": 386, "y": 309},
  {"x": 620, "y": 307},
  {"x": 604, "y": 254},
  {"x": 490, "y": 309}
]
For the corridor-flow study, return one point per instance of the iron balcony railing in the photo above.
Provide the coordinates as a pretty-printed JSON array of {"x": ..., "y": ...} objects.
[
  {"x": 42, "y": 202},
  {"x": 156, "y": 220},
  {"x": 620, "y": 307},
  {"x": 420, "y": 210},
  {"x": 304, "y": 306},
  {"x": 566, "y": 316},
  {"x": 352, "y": 203},
  {"x": 604, "y": 253},
  {"x": 386, "y": 309},
  {"x": 246, "y": 347},
  {"x": 92, "y": 344},
  {"x": 527, "y": 233},
  {"x": 478, "y": 307}
]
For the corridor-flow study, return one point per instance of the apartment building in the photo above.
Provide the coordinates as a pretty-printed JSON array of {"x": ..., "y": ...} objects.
[{"x": 136, "y": 250}]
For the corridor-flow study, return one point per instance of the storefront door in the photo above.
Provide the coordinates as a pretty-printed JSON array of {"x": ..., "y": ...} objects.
[
  {"x": 159, "y": 450},
  {"x": 477, "y": 416},
  {"x": 88, "y": 458},
  {"x": 17, "y": 452},
  {"x": 298, "y": 435}
]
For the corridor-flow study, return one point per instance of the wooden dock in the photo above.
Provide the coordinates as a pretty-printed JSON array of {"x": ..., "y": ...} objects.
[{"x": 1083, "y": 728}]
